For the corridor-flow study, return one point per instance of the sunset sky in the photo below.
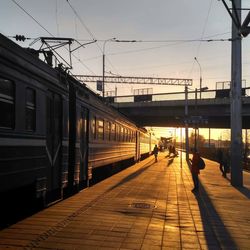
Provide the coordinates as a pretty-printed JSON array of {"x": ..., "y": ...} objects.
[
  {"x": 163, "y": 29},
  {"x": 168, "y": 35}
]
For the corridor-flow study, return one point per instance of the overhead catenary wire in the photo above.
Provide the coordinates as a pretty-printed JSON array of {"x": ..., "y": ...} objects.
[
  {"x": 31, "y": 17},
  {"x": 202, "y": 35},
  {"x": 205, "y": 26},
  {"x": 170, "y": 43},
  {"x": 88, "y": 31},
  {"x": 57, "y": 24},
  {"x": 49, "y": 33},
  {"x": 158, "y": 47},
  {"x": 82, "y": 22},
  {"x": 174, "y": 42}
]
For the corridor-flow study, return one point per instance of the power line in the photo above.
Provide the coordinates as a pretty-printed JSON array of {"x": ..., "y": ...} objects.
[
  {"x": 89, "y": 31},
  {"x": 84, "y": 25},
  {"x": 174, "y": 42},
  {"x": 205, "y": 25},
  {"x": 31, "y": 16},
  {"x": 48, "y": 32},
  {"x": 202, "y": 34},
  {"x": 57, "y": 24},
  {"x": 169, "y": 40}
]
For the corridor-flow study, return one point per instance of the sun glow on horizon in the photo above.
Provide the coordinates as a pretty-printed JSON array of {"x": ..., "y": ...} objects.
[{"x": 178, "y": 133}]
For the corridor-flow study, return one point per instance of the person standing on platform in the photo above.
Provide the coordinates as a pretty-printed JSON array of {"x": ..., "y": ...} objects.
[
  {"x": 226, "y": 168},
  {"x": 155, "y": 152},
  {"x": 220, "y": 160},
  {"x": 195, "y": 171}
]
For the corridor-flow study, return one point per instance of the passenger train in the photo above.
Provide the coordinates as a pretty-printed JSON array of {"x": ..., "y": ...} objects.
[{"x": 55, "y": 132}]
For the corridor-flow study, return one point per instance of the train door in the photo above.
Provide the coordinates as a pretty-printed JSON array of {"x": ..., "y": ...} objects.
[
  {"x": 53, "y": 145},
  {"x": 137, "y": 146},
  {"x": 84, "y": 146}
]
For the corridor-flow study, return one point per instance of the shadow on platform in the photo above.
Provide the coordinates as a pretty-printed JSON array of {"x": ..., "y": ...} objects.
[
  {"x": 211, "y": 221},
  {"x": 245, "y": 191},
  {"x": 133, "y": 175},
  {"x": 171, "y": 160}
]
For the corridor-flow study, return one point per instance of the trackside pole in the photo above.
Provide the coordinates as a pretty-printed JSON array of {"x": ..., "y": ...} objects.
[{"x": 236, "y": 115}]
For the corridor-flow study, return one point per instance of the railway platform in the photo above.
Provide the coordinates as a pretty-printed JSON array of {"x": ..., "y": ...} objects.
[{"x": 147, "y": 206}]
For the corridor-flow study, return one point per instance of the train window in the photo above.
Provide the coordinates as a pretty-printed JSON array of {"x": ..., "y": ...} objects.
[
  {"x": 7, "y": 90},
  {"x": 30, "y": 110},
  {"x": 117, "y": 132},
  {"x": 57, "y": 119},
  {"x": 133, "y": 136},
  {"x": 100, "y": 129},
  {"x": 122, "y": 134},
  {"x": 125, "y": 134},
  {"x": 129, "y": 135},
  {"x": 113, "y": 134},
  {"x": 109, "y": 131},
  {"x": 93, "y": 127}
]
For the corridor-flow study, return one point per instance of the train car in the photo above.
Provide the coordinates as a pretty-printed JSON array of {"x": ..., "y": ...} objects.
[
  {"x": 153, "y": 141},
  {"x": 33, "y": 128},
  {"x": 101, "y": 136},
  {"x": 55, "y": 132},
  {"x": 144, "y": 143}
]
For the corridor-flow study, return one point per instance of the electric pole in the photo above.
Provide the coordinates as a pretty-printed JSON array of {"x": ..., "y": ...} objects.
[{"x": 236, "y": 114}]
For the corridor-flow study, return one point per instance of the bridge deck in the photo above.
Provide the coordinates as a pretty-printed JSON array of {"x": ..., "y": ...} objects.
[
  {"x": 215, "y": 112},
  {"x": 147, "y": 206}
]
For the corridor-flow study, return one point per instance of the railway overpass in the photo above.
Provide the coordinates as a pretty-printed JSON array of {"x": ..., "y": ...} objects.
[{"x": 208, "y": 112}]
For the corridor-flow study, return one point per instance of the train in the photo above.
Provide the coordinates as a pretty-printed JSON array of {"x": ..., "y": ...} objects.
[{"x": 56, "y": 133}]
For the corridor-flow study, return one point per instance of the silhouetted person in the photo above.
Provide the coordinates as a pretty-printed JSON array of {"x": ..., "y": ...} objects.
[
  {"x": 195, "y": 171},
  {"x": 220, "y": 160},
  {"x": 169, "y": 150},
  {"x": 155, "y": 152},
  {"x": 174, "y": 151},
  {"x": 225, "y": 161}
]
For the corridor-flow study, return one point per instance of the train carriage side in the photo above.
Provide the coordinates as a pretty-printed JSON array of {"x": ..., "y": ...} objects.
[
  {"x": 145, "y": 146},
  {"x": 33, "y": 128},
  {"x": 153, "y": 141},
  {"x": 78, "y": 136},
  {"x": 110, "y": 137},
  {"x": 111, "y": 140}
]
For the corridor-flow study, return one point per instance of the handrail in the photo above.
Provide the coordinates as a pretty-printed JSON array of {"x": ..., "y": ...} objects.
[{"x": 169, "y": 96}]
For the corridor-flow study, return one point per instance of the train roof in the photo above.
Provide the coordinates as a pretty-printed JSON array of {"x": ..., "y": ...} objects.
[
  {"x": 29, "y": 58},
  {"x": 105, "y": 107}
]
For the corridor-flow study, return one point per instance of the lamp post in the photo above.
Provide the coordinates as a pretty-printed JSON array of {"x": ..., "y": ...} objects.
[
  {"x": 186, "y": 123},
  {"x": 196, "y": 123},
  {"x": 103, "y": 65},
  {"x": 187, "y": 118},
  {"x": 200, "y": 74},
  {"x": 103, "y": 58}
]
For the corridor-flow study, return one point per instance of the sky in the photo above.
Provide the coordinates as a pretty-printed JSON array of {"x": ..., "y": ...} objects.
[{"x": 163, "y": 31}]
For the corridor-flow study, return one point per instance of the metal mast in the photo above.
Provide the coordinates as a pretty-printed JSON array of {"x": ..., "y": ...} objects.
[{"x": 236, "y": 114}]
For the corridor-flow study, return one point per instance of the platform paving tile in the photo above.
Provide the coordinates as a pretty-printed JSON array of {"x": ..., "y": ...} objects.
[
  {"x": 172, "y": 244},
  {"x": 66, "y": 246},
  {"x": 11, "y": 247},
  {"x": 147, "y": 206},
  {"x": 128, "y": 245}
]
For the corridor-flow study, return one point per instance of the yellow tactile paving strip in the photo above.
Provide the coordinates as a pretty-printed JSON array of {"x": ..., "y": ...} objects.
[{"x": 147, "y": 206}]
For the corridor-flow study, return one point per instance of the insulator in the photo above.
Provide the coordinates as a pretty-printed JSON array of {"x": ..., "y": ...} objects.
[{"x": 20, "y": 38}]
